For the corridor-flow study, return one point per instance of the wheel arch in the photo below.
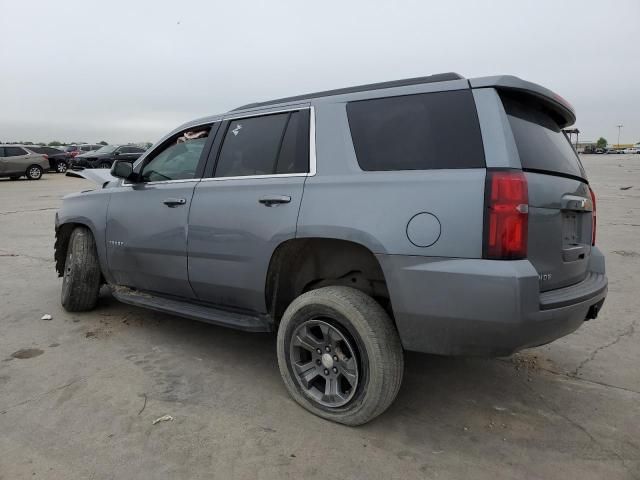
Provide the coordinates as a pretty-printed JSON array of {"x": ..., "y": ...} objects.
[
  {"x": 61, "y": 246},
  {"x": 299, "y": 265}
]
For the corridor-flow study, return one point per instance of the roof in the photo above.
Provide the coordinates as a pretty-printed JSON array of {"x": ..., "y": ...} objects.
[
  {"x": 439, "y": 77},
  {"x": 561, "y": 109}
]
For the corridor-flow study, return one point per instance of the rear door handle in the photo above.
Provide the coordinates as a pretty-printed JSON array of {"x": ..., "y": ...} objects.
[
  {"x": 174, "y": 202},
  {"x": 274, "y": 200}
]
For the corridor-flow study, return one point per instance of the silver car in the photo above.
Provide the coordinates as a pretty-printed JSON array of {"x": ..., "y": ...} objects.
[
  {"x": 439, "y": 214},
  {"x": 18, "y": 161}
]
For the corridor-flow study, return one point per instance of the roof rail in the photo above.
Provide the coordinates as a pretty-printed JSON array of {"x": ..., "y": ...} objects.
[{"x": 439, "y": 77}]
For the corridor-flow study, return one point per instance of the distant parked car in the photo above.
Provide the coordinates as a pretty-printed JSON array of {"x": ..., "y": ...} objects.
[
  {"x": 105, "y": 157},
  {"x": 57, "y": 157},
  {"x": 74, "y": 150},
  {"x": 600, "y": 150},
  {"x": 611, "y": 151},
  {"x": 16, "y": 161},
  {"x": 631, "y": 150}
]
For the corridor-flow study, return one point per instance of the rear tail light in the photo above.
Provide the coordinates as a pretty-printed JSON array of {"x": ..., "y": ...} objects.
[
  {"x": 593, "y": 217},
  {"x": 506, "y": 215},
  {"x": 46, "y": 157}
]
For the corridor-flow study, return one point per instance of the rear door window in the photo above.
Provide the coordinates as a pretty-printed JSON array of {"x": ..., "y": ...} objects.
[
  {"x": 417, "y": 132},
  {"x": 14, "y": 151},
  {"x": 542, "y": 145},
  {"x": 265, "y": 145}
]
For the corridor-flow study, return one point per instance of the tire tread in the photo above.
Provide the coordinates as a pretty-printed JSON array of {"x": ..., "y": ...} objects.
[
  {"x": 383, "y": 344},
  {"x": 82, "y": 294}
]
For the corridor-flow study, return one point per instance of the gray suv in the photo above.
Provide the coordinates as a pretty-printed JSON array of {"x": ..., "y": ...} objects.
[
  {"x": 17, "y": 161},
  {"x": 438, "y": 214}
]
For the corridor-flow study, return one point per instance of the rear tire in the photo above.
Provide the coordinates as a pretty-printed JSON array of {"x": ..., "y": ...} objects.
[
  {"x": 104, "y": 165},
  {"x": 340, "y": 355},
  {"x": 61, "y": 167},
  {"x": 81, "y": 278},
  {"x": 34, "y": 172}
]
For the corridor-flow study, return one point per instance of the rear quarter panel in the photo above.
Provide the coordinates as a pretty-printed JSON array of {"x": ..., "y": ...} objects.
[{"x": 374, "y": 208}]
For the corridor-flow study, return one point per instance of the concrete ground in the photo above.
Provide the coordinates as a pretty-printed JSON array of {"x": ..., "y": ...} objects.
[{"x": 79, "y": 393}]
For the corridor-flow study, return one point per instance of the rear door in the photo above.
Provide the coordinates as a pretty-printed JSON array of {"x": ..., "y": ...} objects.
[
  {"x": 560, "y": 203},
  {"x": 247, "y": 206}
]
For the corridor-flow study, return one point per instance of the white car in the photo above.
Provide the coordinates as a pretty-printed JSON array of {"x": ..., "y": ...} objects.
[{"x": 631, "y": 150}]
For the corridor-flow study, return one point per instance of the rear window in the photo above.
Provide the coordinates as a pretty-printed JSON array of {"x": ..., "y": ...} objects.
[
  {"x": 417, "y": 132},
  {"x": 542, "y": 145}
]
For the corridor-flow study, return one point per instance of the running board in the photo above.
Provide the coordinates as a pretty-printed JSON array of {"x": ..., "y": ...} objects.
[{"x": 193, "y": 311}]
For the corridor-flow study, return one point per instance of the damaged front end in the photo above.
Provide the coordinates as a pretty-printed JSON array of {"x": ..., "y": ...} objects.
[{"x": 99, "y": 176}]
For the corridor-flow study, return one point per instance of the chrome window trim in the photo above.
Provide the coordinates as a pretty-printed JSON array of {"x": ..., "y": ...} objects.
[
  {"x": 162, "y": 182},
  {"x": 312, "y": 151},
  {"x": 264, "y": 113},
  {"x": 253, "y": 177}
]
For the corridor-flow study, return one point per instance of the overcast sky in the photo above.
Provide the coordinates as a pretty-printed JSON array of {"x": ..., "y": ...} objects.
[{"x": 83, "y": 70}]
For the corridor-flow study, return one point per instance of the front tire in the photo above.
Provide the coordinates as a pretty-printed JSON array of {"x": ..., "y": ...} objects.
[
  {"x": 340, "y": 355},
  {"x": 34, "y": 172},
  {"x": 81, "y": 279},
  {"x": 61, "y": 167},
  {"x": 104, "y": 165}
]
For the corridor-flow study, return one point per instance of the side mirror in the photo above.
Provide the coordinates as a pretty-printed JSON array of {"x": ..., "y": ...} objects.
[
  {"x": 122, "y": 170},
  {"x": 116, "y": 153}
]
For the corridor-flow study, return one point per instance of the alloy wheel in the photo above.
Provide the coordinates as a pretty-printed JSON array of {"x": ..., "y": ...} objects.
[
  {"x": 35, "y": 173},
  {"x": 324, "y": 362}
]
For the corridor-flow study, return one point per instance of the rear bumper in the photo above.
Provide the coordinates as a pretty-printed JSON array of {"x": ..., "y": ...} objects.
[{"x": 485, "y": 307}]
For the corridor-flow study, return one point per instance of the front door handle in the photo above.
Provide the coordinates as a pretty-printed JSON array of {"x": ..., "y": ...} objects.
[
  {"x": 174, "y": 202},
  {"x": 274, "y": 200}
]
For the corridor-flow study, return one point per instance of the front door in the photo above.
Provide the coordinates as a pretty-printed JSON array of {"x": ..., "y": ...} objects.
[
  {"x": 247, "y": 206},
  {"x": 147, "y": 219}
]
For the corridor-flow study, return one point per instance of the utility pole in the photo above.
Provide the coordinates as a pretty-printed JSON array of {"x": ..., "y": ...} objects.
[{"x": 619, "y": 128}]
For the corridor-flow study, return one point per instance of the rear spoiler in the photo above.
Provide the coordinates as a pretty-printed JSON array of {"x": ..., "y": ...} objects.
[{"x": 562, "y": 110}]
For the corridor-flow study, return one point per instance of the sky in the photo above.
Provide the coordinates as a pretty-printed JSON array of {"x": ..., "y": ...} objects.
[{"x": 130, "y": 71}]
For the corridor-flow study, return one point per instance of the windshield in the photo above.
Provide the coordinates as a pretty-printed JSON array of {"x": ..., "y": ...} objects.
[{"x": 107, "y": 149}]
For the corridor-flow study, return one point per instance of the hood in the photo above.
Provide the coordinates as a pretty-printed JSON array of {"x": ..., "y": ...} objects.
[{"x": 99, "y": 176}]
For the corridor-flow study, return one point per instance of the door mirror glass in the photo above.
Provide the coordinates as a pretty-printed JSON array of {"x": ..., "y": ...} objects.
[{"x": 122, "y": 170}]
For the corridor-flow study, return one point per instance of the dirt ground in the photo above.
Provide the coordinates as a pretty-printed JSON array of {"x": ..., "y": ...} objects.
[{"x": 79, "y": 393}]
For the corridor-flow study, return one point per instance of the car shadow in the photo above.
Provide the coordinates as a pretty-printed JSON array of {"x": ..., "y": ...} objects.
[{"x": 435, "y": 388}]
